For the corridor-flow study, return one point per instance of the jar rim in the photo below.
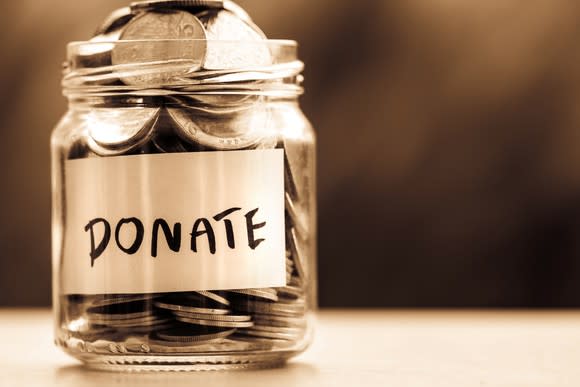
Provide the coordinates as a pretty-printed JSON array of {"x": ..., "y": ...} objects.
[
  {"x": 182, "y": 65},
  {"x": 281, "y": 43}
]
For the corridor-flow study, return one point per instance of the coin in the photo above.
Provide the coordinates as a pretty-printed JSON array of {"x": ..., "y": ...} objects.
[
  {"x": 146, "y": 321},
  {"x": 201, "y": 130},
  {"x": 189, "y": 308},
  {"x": 233, "y": 41},
  {"x": 215, "y": 323},
  {"x": 213, "y": 296},
  {"x": 267, "y": 293},
  {"x": 218, "y": 317},
  {"x": 280, "y": 309},
  {"x": 292, "y": 291},
  {"x": 188, "y": 334},
  {"x": 160, "y": 55},
  {"x": 119, "y": 130}
]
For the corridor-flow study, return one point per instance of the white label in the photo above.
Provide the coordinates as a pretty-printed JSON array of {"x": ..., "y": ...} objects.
[{"x": 174, "y": 222}]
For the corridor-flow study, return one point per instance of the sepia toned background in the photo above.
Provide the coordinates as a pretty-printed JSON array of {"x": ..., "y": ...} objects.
[{"x": 449, "y": 145}]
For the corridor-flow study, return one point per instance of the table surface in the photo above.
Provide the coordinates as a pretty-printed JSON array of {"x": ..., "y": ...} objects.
[{"x": 351, "y": 348}]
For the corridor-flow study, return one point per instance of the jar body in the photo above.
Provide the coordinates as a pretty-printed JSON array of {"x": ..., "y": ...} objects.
[{"x": 184, "y": 236}]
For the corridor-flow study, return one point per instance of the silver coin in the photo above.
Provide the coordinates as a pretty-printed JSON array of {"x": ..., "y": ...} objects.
[
  {"x": 223, "y": 29},
  {"x": 160, "y": 43},
  {"x": 215, "y": 323},
  {"x": 266, "y": 293},
  {"x": 191, "y": 309},
  {"x": 189, "y": 334},
  {"x": 202, "y": 131},
  {"x": 138, "y": 322},
  {"x": 218, "y": 317},
  {"x": 297, "y": 254},
  {"x": 164, "y": 138},
  {"x": 114, "y": 131},
  {"x": 291, "y": 291},
  {"x": 215, "y": 297}
]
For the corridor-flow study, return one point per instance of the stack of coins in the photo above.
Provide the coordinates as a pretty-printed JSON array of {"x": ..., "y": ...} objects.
[{"x": 187, "y": 322}]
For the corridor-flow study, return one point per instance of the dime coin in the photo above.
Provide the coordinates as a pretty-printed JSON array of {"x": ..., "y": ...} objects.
[
  {"x": 160, "y": 45},
  {"x": 222, "y": 26},
  {"x": 215, "y": 323}
]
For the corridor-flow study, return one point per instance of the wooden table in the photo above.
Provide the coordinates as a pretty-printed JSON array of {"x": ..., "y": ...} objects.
[{"x": 352, "y": 348}]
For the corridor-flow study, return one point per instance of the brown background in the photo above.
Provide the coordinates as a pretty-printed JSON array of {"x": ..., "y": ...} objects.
[{"x": 449, "y": 145}]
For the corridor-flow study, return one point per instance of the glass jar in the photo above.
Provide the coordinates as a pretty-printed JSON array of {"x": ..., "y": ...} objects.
[{"x": 183, "y": 209}]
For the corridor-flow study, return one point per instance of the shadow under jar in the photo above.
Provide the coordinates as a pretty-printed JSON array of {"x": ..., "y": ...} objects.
[{"x": 183, "y": 211}]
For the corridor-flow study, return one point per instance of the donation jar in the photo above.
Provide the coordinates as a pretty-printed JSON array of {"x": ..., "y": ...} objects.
[{"x": 184, "y": 230}]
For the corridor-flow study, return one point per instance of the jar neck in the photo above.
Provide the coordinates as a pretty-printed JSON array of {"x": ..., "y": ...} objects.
[{"x": 87, "y": 102}]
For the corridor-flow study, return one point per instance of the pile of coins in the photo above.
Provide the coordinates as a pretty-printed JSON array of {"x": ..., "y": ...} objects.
[{"x": 191, "y": 322}]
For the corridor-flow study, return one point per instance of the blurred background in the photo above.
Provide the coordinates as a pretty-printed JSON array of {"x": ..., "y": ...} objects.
[{"x": 449, "y": 145}]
